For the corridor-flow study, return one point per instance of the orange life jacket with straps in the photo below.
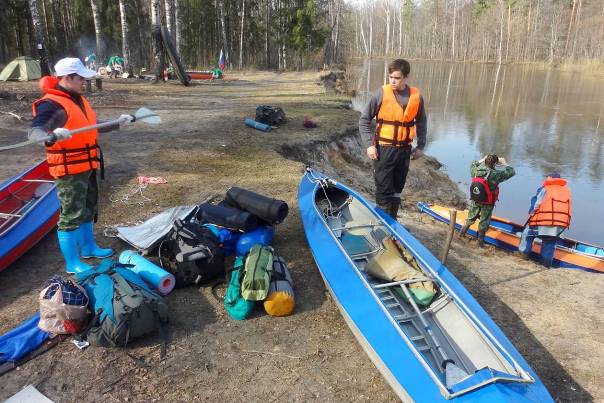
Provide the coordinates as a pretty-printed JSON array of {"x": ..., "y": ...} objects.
[
  {"x": 80, "y": 153},
  {"x": 395, "y": 125},
  {"x": 555, "y": 209}
]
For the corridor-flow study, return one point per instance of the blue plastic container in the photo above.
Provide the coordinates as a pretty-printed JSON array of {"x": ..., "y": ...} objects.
[
  {"x": 259, "y": 236},
  {"x": 257, "y": 125},
  {"x": 227, "y": 238}
]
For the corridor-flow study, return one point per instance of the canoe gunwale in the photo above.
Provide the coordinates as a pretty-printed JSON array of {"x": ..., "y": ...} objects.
[
  {"x": 522, "y": 375},
  {"x": 32, "y": 208}
]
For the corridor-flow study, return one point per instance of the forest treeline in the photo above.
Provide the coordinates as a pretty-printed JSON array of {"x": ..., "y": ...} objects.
[{"x": 292, "y": 34}]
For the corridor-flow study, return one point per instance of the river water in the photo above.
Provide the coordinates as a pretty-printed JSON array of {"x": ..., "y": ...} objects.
[{"x": 539, "y": 120}]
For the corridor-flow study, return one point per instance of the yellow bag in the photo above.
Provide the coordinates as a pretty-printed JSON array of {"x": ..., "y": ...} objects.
[{"x": 280, "y": 300}]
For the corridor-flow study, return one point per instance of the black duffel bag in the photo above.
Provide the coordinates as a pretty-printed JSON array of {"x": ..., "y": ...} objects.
[
  {"x": 192, "y": 254},
  {"x": 270, "y": 211},
  {"x": 270, "y": 115}
]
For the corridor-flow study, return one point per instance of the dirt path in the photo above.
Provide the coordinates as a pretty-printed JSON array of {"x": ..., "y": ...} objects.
[{"x": 552, "y": 317}]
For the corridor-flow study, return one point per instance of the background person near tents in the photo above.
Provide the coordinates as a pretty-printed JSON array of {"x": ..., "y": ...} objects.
[
  {"x": 90, "y": 61},
  {"x": 73, "y": 161},
  {"x": 216, "y": 74},
  {"x": 549, "y": 217},
  {"x": 483, "y": 209},
  {"x": 400, "y": 115},
  {"x": 115, "y": 65}
]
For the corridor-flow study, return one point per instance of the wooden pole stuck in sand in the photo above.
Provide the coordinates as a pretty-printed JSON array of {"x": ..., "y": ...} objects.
[{"x": 452, "y": 221}]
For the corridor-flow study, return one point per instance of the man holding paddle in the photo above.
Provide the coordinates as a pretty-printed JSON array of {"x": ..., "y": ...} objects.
[{"x": 73, "y": 159}]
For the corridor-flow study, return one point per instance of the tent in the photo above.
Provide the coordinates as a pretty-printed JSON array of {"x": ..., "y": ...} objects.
[{"x": 23, "y": 68}]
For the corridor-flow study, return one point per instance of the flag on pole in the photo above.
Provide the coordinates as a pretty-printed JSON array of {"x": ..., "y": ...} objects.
[{"x": 221, "y": 62}]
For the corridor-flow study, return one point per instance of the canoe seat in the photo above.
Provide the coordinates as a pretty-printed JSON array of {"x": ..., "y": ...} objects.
[{"x": 357, "y": 245}]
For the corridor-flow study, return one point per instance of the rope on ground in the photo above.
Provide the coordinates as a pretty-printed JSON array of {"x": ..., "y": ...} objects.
[
  {"x": 110, "y": 231},
  {"x": 130, "y": 194}
]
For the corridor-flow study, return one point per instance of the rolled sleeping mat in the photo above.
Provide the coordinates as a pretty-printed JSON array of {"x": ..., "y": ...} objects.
[
  {"x": 260, "y": 236},
  {"x": 270, "y": 210},
  {"x": 226, "y": 217},
  {"x": 152, "y": 274},
  {"x": 280, "y": 300},
  {"x": 257, "y": 125}
]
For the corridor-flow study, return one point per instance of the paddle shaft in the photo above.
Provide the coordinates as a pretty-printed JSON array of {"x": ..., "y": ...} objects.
[
  {"x": 452, "y": 222},
  {"x": 106, "y": 124}
]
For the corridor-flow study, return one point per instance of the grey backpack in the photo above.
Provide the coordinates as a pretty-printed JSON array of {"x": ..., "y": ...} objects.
[{"x": 124, "y": 306}]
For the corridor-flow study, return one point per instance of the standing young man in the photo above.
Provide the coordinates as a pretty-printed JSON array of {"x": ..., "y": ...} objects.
[
  {"x": 400, "y": 116},
  {"x": 72, "y": 161}
]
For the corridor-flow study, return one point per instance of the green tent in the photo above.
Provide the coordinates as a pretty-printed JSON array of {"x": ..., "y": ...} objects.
[{"x": 23, "y": 68}]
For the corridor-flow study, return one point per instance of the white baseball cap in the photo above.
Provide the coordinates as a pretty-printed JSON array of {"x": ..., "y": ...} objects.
[{"x": 70, "y": 65}]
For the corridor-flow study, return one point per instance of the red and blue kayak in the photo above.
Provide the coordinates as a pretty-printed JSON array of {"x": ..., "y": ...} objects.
[
  {"x": 505, "y": 234},
  {"x": 29, "y": 209}
]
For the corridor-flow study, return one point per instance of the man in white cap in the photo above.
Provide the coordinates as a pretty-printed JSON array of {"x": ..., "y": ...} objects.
[{"x": 72, "y": 161}]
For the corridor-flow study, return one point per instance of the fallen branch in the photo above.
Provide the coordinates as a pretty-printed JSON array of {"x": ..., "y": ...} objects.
[
  {"x": 270, "y": 353},
  {"x": 14, "y": 115}
]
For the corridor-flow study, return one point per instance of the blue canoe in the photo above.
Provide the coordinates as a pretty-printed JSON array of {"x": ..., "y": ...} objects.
[
  {"x": 29, "y": 209},
  {"x": 447, "y": 349}
]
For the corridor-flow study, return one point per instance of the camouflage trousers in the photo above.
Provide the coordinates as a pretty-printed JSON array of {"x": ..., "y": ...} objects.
[
  {"x": 482, "y": 211},
  {"x": 78, "y": 195}
]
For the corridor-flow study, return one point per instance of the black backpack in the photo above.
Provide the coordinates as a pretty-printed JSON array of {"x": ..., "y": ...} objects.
[
  {"x": 192, "y": 254},
  {"x": 270, "y": 115}
]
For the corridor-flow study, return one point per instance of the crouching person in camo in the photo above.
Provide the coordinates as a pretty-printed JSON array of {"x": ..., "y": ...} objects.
[
  {"x": 72, "y": 161},
  {"x": 484, "y": 192}
]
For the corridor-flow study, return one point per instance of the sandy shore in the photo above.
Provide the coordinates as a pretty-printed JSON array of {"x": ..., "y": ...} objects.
[{"x": 552, "y": 316}]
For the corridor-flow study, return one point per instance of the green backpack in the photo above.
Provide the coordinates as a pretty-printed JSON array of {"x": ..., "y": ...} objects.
[
  {"x": 125, "y": 307},
  {"x": 257, "y": 278},
  {"x": 236, "y": 306}
]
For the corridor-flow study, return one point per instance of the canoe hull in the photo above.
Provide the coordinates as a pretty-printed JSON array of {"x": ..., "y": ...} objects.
[
  {"x": 19, "y": 235},
  {"x": 504, "y": 234},
  {"x": 387, "y": 346}
]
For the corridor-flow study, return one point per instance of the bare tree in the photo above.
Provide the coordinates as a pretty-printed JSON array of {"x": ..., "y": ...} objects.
[
  {"x": 178, "y": 17},
  {"x": 38, "y": 36},
  {"x": 158, "y": 54},
  {"x": 225, "y": 43},
  {"x": 241, "y": 36},
  {"x": 170, "y": 18},
  {"x": 125, "y": 40},
  {"x": 96, "y": 16}
]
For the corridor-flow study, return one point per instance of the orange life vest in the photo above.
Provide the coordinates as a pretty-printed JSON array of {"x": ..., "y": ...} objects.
[
  {"x": 555, "y": 209},
  {"x": 80, "y": 153},
  {"x": 395, "y": 125}
]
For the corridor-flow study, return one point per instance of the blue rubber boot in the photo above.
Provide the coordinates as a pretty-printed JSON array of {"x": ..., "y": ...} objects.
[
  {"x": 68, "y": 243},
  {"x": 88, "y": 246}
]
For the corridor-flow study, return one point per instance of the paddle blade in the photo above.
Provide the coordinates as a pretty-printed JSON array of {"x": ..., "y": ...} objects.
[{"x": 147, "y": 115}]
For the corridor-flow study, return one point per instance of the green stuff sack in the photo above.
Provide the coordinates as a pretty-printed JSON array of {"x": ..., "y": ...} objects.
[
  {"x": 236, "y": 306},
  {"x": 257, "y": 277},
  {"x": 280, "y": 300}
]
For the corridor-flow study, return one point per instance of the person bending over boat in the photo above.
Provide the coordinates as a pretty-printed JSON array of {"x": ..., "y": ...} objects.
[
  {"x": 400, "y": 116},
  {"x": 72, "y": 161},
  {"x": 484, "y": 192},
  {"x": 549, "y": 217}
]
